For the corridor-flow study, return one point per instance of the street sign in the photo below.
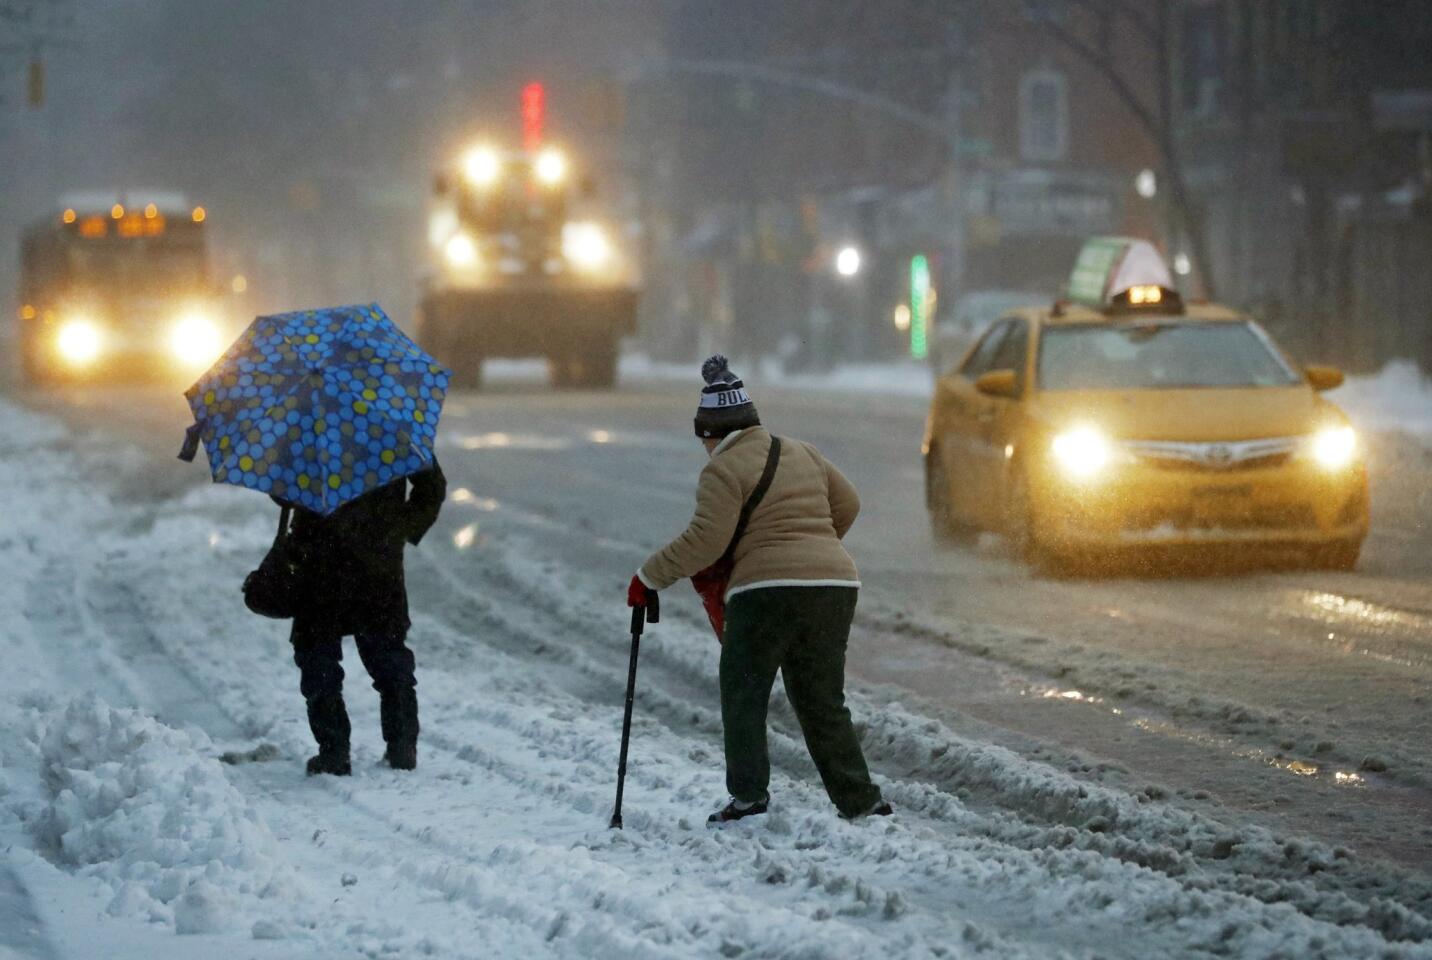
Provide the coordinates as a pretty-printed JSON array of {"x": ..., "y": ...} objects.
[{"x": 921, "y": 299}]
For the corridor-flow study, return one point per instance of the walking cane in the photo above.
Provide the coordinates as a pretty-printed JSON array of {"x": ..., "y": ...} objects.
[{"x": 640, "y": 616}]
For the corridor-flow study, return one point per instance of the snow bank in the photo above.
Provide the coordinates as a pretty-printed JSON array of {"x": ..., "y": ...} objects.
[
  {"x": 1397, "y": 399},
  {"x": 144, "y": 808}
]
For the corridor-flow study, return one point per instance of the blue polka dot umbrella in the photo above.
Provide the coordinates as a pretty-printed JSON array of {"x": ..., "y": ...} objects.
[{"x": 318, "y": 407}]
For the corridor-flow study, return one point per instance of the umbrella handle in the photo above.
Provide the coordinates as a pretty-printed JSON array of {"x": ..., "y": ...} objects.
[{"x": 191, "y": 443}]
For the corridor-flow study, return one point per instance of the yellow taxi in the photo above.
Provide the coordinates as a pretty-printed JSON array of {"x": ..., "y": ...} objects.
[{"x": 1123, "y": 418}]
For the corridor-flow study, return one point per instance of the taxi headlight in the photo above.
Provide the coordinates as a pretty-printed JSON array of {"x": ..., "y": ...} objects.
[
  {"x": 80, "y": 342},
  {"x": 1081, "y": 452},
  {"x": 460, "y": 251},
  {"x": 195, "y": 339},
  {"x": 1334, "y": 447},
  {"x": 586, "y": 245}
]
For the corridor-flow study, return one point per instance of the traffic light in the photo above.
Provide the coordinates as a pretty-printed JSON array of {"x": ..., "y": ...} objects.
[
  {"x": 922, "y": 296},
  {"x": 35, "y": 87}
]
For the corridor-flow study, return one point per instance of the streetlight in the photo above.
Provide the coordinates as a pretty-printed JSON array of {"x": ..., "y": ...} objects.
[
  {"x": 847, "y": 261},
  {"x": 1146, "y": 184}
]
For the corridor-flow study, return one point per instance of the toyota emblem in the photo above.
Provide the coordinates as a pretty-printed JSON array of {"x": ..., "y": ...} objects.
[{"x": 1218, "y": 455}]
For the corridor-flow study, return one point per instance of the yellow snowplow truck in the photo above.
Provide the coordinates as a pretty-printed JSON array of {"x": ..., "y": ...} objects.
[{"x": 522, "y": 272}]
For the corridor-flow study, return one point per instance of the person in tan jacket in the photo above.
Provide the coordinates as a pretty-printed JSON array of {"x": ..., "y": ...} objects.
[{"x": 791, "y": 596}]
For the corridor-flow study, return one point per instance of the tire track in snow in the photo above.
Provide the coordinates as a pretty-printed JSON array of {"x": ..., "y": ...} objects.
[
  {"x": 1255, "y": 736},
  {"x": 1061, "y": 866},
  {"x": 1172, "y": 860},
  {"x": 464, "y": 872}
]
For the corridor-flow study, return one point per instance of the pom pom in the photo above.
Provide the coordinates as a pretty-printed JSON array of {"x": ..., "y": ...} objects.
[{"x": 716, "y": 370}]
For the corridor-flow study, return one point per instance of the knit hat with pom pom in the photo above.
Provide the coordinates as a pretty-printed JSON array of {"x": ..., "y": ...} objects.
[{"x": 725, "y": 405}]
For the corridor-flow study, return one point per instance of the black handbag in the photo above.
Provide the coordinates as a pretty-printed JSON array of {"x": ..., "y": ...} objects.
[{"x": 273, "y": 589}]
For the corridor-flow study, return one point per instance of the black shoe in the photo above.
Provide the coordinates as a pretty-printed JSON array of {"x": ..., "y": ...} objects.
[
  {"x": 398, "y": 708},
  {"x": 328, "y": 719},
  {"x": 735, "y": 810},
  {"x": 330, "y": 763},
  {"x": 401, "y": 756},
  {"x": 881, "y": 809}
]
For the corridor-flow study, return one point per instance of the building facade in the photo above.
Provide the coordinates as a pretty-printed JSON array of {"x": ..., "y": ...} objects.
[{"x": 1304, "y": 128}]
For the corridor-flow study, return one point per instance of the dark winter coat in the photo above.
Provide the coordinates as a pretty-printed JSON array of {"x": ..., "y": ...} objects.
[{"x": 353, "y": 558}]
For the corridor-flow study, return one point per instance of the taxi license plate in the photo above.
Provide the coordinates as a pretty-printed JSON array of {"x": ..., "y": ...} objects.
[
  {"x": 1221, "y": 503},
  {"x": 1222, "y": 492}
]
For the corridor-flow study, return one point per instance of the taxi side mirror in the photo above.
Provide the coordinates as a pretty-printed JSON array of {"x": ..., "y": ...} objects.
[
  {"x": 998, "y": 383},
  {"x": 1324, "y": 378}
]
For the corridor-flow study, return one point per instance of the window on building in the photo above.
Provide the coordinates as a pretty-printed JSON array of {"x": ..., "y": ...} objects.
[
  {"x": 1043, "y": 116},
  {"x": 1202, "y": 58}
]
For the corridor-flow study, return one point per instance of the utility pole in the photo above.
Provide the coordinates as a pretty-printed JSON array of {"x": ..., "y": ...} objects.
[{"x": 28, "y": 28}]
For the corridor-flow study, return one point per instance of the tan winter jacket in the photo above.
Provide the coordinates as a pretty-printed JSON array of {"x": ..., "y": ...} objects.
[{"x": 793, "y": 538}]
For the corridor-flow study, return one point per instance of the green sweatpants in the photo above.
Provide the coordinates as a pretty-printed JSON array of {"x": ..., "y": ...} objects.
[{"x": 802, "y": 632}]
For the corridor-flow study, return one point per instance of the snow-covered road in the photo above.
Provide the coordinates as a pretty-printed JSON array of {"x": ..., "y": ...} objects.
[{"x": 1112, "y": 768}]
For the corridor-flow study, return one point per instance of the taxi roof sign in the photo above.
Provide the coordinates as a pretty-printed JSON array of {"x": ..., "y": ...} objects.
[{"x": 1110, "y": 266}]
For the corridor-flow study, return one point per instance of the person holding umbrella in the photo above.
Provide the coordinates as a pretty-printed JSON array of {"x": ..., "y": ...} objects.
[
  {"x": 357, "y": 553},
  {"x": 777, "y": 510},
  {"x": 333, "y": 413}
]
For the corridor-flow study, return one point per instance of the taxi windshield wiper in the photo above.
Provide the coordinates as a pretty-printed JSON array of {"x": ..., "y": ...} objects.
[{"x": 1146, "y": 332}]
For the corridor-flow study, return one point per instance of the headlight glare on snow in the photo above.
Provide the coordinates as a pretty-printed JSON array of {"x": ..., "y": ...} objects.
[
  {"x": 1334, "y": 447},
  {"x": 1081, "y": 452}
]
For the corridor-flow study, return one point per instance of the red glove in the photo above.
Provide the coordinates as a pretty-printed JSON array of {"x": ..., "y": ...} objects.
[{"x": 638, "y": 593}]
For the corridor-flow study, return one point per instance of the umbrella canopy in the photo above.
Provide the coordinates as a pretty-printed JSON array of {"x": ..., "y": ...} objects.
[{"x": 318, "y": 407}]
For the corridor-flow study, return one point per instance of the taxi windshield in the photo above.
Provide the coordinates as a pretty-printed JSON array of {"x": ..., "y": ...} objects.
[{"x": 1154, "y": 356}]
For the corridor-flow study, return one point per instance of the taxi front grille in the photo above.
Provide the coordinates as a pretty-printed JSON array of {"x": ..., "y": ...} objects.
[{"x": 1214, "y": 456}]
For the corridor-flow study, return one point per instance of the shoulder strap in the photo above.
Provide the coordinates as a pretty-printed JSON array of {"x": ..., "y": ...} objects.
[
  {"x": 283, "y": 518},
  {"x": 757, "y": 495}
]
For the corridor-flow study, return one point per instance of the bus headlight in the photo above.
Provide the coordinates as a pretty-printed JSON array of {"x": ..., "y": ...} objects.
[
  {"x": 195, "y": 339},
  {"x": 586, "y": 245},
  {"x": 1334, "y": 447},
  {"x": 1081, "y": 452},
  {"x": 79, "y": 342}
]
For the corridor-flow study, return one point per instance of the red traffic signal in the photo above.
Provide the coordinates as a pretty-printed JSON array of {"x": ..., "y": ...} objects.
[{"x": 534, "y": 115}]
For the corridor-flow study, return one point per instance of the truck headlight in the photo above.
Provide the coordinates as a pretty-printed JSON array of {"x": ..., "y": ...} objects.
[
  {"x": 195, "y": 339},
  {"x": 1334, "y": 447},
  {"x": 1082, "y": 452},
  {"x": 586, "y": 245},
  {"x": 481, "y": 166},
  {"x": 460, "y": 251},
  {"x": 551, "y": 167},
  {"x": 80, "y": 342}
]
